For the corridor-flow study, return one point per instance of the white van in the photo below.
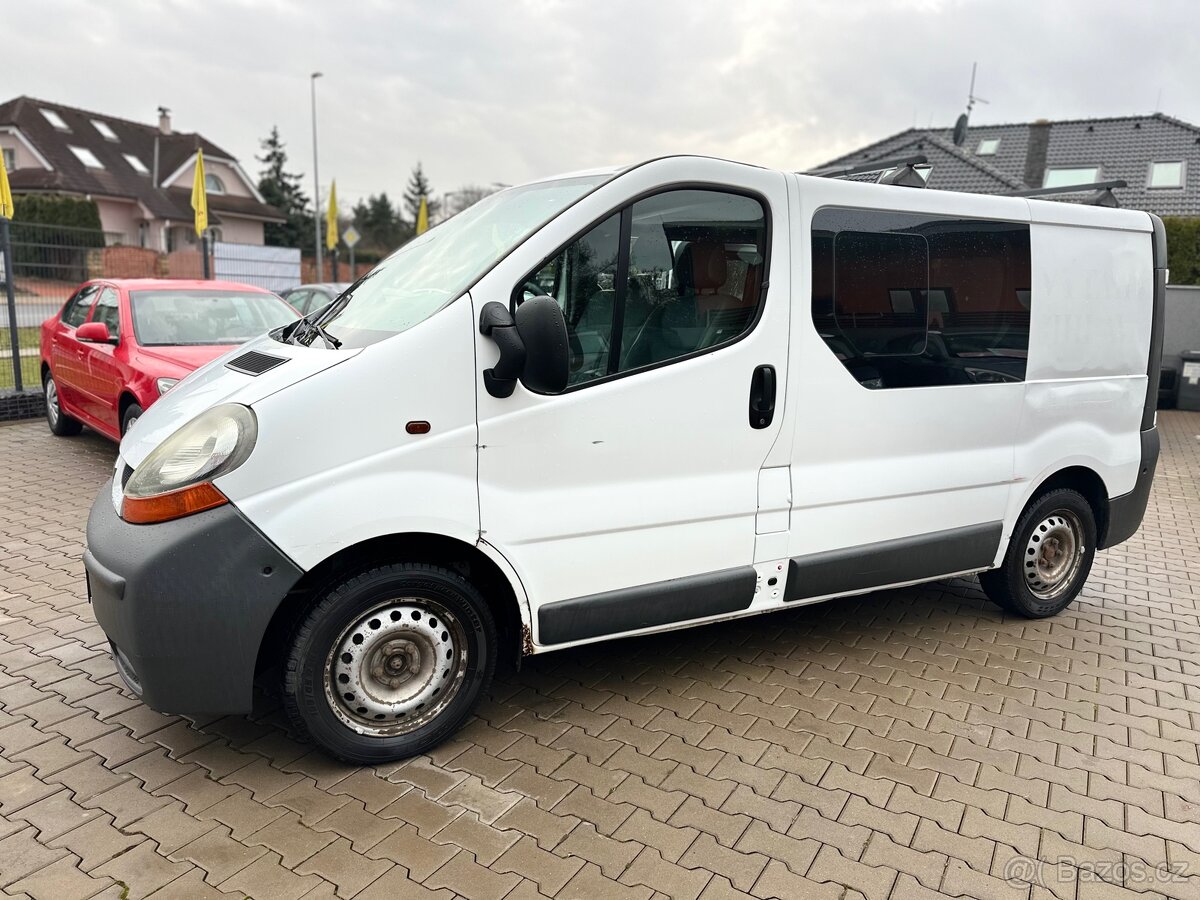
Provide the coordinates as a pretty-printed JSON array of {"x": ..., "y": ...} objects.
[{"x": 627, "y": 401}]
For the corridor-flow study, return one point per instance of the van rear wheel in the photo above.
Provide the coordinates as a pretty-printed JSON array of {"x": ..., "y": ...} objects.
[
  {"x": 389, "y": 663},
  {"x": 1049, "y": 557}
]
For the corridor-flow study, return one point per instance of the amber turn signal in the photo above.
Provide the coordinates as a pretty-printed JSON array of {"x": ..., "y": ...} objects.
[
  {"x": 175, "y": 505},
  {"x": 417, "y": 427}
]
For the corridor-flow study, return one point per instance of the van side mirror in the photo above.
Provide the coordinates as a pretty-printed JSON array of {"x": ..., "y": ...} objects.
[
  {"x": 94, "y": 333},
  {"x": 533, "y": 346}
]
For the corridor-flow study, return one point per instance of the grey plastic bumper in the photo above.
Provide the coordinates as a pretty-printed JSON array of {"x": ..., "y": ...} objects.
[
  {"x": 1125, "y": 513},
  {"x": 185, "y": 603}
]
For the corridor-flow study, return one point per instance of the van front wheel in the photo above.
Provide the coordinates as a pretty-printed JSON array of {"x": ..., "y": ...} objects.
[
  {"x": 390, "y": 662},
  {"x": 1049, "y": 557}
]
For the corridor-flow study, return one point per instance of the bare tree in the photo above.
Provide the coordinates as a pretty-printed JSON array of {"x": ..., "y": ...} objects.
[{"x": 454, "y": 202}]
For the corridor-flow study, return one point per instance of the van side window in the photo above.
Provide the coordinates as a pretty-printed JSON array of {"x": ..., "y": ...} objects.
[
  {"x": 910, "y": 300},
  {"x": 690, "y": 279},
  {"x": 582, "y": 278}
]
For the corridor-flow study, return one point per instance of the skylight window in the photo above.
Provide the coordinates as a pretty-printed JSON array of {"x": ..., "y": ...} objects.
[
  {"x": 87, "y": 157},
  {"x": 55, "y": 119},
  {"x": 988, "y": 147},
  {"x": 1071, "y": 175},
  {"x": 137, "y": 164},
  {"x": 105, "y": 130},
  {"x": 1166, "y": 175}
]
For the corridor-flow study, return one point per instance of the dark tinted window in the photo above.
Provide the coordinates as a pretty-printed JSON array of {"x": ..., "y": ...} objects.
[
  {"x": 908, "y": 300},
  {"x": 690, "y": 279},
  {"x": 76, "y": 310}
]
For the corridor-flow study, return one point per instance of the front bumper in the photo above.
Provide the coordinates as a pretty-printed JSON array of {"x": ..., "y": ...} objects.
[{"x": 185, "y": 603}]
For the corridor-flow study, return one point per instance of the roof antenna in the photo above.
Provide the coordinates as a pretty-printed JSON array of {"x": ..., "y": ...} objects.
[{"x": 960, "y": 127}]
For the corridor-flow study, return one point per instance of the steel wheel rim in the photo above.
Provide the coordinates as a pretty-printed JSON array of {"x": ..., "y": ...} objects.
[
  {"x": 1053, "y": 554},
  {"x": 51, "y": 401},
  {"x": 395, "y": 668}
]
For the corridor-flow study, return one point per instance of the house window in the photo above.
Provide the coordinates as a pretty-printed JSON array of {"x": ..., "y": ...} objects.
[
  {"x": 988, "y": 147},
  {"x": 1071, "y": 175},
  {"x": 137, "y": 165},
  {"x": 10, "y": 159},
  {"x": 55, "y": 119},
  {"x": 87, "y": 157},
  {"x": 213, "y": 184},
  {"x": 106, "y": 132},
  {"x": 1166, "y": 175}
]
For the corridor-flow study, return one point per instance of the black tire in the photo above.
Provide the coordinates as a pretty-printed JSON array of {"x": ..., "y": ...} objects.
[
  {"x": 456, "y": 626},
  {"x": 1026, "y": 582},
  {"x": 60, "y": 423},
  {"x": 132, "y": 413}
]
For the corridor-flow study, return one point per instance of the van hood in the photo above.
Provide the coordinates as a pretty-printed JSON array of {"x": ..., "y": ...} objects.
[{"x": 216, "y": 383}]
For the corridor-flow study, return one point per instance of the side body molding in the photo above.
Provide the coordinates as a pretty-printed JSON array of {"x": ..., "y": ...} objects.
[
  {"x": 647, "y": 606},
  {"x": 922, "y": 557}
]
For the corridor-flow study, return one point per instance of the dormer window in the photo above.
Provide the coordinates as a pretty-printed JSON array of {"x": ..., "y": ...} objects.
[
  {"x": 55, "y": 119},
  {"x": 988, "y": 147},
  {"x": 87, "y": 157},
  {"x": 1069, "y": 176},
  {"x": 105, "y": 130},
  {"x": 1166, "y": 175}
]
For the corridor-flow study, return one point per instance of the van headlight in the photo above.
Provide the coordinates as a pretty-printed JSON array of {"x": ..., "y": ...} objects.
[{"x": 175, "y": 480}]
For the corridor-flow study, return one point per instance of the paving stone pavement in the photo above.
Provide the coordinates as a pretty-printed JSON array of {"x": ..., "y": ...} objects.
[{"x": 907, "y": 744}]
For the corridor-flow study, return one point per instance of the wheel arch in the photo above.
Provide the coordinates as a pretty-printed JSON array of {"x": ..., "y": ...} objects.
[
  {"x": 1084, "y": 480},
  {"x": 477, "y": 563},
  {"x": 126, "y": 400}
]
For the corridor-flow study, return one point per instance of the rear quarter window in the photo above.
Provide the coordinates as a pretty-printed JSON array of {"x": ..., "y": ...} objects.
[{"x": 910, "y": 300}]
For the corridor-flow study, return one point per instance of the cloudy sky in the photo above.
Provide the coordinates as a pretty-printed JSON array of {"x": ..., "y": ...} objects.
[{"x": 508, "y": 91}]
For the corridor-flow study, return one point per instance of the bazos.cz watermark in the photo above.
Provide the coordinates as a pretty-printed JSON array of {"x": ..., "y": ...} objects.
[{"x": 1022, "y": 870}]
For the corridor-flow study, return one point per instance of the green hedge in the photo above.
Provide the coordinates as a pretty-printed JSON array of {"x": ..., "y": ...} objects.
[
  {"x": 1183, "y": 250},
  {"x": 52, "y": 234},
  {"x": 56, "y": 209}
]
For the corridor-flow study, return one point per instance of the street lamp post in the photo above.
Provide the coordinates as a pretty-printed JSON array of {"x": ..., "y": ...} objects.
[{"x": 316, "y": 178}]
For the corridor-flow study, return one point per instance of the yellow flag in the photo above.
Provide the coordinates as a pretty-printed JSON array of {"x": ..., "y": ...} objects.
[
  {"x": 199, "y": 196},
  {"x": 331, "y": 222},
  {"x": 6, "y": 203},
  {"x": 423, "y": 216}
]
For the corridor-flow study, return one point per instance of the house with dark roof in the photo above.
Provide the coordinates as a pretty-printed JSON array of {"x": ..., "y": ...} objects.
[
  {"x": 139, "y": 175},
  {"x": 1157, "y": 156}
]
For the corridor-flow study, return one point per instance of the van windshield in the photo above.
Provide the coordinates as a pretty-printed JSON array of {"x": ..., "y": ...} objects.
[{"x": 434, "y": 269}]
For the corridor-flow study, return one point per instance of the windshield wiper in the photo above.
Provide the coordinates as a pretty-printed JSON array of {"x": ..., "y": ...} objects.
[{"x": 307, "y": 329}]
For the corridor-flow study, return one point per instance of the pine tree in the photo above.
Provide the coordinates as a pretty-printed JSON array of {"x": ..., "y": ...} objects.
[
  {"x": 281, "y": 189},
  {"x": 418, "y": 187},
  {"x": 380, "y": 224}
]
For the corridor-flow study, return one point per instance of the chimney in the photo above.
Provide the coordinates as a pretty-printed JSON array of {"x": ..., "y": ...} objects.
[
  {"x": 1035, "y": 153},
  {"x": 164, "y": 120}
]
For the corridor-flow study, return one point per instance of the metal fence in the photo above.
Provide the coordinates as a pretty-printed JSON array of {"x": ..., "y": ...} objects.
[{"x": 49, "y": 262}]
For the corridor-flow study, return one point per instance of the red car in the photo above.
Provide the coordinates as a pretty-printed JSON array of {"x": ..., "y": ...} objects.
[{"x": 118, "y": 345}]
